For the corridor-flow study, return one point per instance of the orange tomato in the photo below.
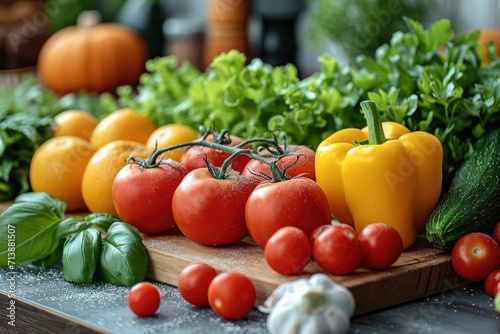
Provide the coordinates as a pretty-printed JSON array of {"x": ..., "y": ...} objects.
[
  {"x": 171, "y": 134},
  {"x": 122, "y": 124},
  {"x": 74, "y": 123},
  {"x": 101, "y": 170},
  {"x": 57, "y": 168}
]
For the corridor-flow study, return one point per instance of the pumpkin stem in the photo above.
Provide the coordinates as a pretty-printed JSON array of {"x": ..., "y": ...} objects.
[{"x": 88, "y": 18}]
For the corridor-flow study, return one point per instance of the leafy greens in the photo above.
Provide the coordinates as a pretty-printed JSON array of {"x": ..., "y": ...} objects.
[{"x": 428, "y": 80}]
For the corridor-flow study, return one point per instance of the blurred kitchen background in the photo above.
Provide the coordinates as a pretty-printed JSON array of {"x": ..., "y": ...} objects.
[{"x": 277, "y": 31}]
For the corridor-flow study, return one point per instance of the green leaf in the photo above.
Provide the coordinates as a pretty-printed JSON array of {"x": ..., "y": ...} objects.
[
  {"x": 30, "y": 224},
  {"x": 124, "y": 259},
  {"x": 55, "y": 205},
  {"x": 52, "y": 258},
  {"x": 81, "y": 255},
  {"x": 101, "y": 220}
]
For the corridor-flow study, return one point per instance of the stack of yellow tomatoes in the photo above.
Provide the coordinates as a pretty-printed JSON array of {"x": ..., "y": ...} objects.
[{"x": 79, "y": 163}]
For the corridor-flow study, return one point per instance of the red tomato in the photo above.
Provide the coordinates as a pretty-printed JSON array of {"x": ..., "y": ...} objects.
[
  {"x": 143, "y": 198},
  {"x": 194, "y": 157},
  {"x": 381, "y": 244},
  {"x": 288, "y": 250},
  {"x": 212, "y": 211},
  {"x": 144, "y": 299},
  {"x": 492, "y": 283},
  {"x": 303, "y": 166},
  {"x": 193, "y": 283},
  {"x": 496, "y": 233},
  {"x": 317, "y": 231},
  {"x": 337, "y": 250},
  {"x": 298, "y": 202},
  {"x": 231, "y": 295},
  {"x": 474, "y": 256}
]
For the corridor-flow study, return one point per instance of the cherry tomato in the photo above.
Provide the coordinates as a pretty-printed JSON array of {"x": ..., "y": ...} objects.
[
  {"x": 298, "y": 202},
  {"x": 496, "y": 233},
  {"x": 337, "y": 250},
  {"x": 143, "y": 198},
  {"x": 288, "y": 250},
  {"x": 303, "y": 166},
  {"x": 474, "y": 256},
  {"x": 381, "y": 245},
  {"x": 492, "y": 283},
  {"x": 194, "y": 157},
  {"x": 317, "y": 231},
  {"x": 212, "y": 211},
  {"x": 193, "y": 283},
  {"x": 144, "y": 299},
  {"x": 231, "y": 295}
]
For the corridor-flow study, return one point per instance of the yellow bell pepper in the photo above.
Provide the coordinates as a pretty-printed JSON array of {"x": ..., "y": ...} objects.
[{"x": 395, "y": 178}]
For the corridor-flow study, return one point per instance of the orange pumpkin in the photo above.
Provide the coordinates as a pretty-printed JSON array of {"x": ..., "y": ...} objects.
[{"x": 92, "y": 56}]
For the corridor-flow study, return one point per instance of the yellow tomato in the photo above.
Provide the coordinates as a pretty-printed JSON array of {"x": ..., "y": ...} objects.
[
  {"x": 74, "y": 123},
  {"x": 57, "y": 168},
  {"x": 122, "y": 124},
  {"x": 101, "y": 170},
  {"x": 171, "y": 134}
]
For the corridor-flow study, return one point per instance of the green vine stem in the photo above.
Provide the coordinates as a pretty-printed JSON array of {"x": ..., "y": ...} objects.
[{"x": 276, "y": 150}]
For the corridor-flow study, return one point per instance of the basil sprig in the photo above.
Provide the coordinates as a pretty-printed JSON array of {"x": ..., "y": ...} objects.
[{"x": 35, "y": 230}]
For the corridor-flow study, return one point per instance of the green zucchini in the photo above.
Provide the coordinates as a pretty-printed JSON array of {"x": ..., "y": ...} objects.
[{"x": 472, "y": 202}]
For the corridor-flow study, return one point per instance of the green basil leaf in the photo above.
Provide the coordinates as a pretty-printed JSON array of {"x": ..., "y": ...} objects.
[
  {"x": 52, "y": 258},
  {"x": 80, "y": 256},
  {"x": 28, "y": 225},
  {"x": 50, "y": 202},
  {"x": 69, "y": 226},
  {"x": 101, "y": 220},
  {"x": 124, "y": 258}
]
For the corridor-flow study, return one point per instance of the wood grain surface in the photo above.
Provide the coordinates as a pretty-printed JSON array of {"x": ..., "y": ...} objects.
[
  {"x": 420, "y": 271},
  {"x": 34, "y": 319}
]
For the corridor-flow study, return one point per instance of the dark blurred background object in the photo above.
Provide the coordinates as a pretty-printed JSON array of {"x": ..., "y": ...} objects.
[
  {"x": 22, "y": 33},
  {"x": 146, "y": 17},
  {"x": 278, "y": 38}
]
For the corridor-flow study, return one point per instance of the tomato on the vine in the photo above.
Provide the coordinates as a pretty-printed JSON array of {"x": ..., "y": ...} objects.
[
  {"x": 337, "y": 249},
  {"x": 474, "y": 256},
  {"x": 231, "y": 295},
  {"x": 144, "y": 299},
  {"x": 381, "y": 244},
  {"x": 298, "y": 202},
  {"x": 143, "y": 196},
  {"x": 288, "y": 250},
  {"x": 211, "y": 211},
  {"x": 194, "y": 157},
  {"x": 193, "y": 283},
  {"x": 301, "y": 163},
  {"x": 492, "y": 283}
]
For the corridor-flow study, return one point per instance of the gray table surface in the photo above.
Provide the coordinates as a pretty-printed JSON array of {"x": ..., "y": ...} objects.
[{"x": 465, "y": 309}]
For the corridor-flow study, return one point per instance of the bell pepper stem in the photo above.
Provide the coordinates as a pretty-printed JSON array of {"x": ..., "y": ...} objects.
[{"x": 375, "y": 129}]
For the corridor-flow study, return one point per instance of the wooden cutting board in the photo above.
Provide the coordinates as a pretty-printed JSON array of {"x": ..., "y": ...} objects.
[{"x": 421, "y": 270}]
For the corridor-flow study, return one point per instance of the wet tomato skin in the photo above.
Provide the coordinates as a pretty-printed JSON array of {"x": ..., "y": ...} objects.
[{"x": 474, "y": 256}]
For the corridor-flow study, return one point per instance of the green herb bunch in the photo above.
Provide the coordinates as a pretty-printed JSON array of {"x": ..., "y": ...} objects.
[
  {"x": 35, "y": 230},
  {"x": 428, "y": 80},
  {"x": 26, "y": 119}
]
